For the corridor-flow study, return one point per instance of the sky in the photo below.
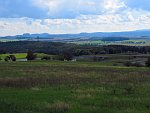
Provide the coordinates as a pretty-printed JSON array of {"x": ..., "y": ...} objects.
[{"x": 72, "y": 16}]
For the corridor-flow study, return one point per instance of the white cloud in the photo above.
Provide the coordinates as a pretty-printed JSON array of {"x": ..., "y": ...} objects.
[
  {"x": 13, "y": 26},
  {"x": 125, "y": 21},
  {"x": 79, "y": 7},
  {"x": 114, "y": 16},
  {"x": 112, "y": 6}
]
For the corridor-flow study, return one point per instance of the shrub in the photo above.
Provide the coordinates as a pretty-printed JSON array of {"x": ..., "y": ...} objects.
[
  {"x": 56, "y": 57},
  {"x": 60, "y": 57},
  {"x": 65, "y": 56},
  {"x": 128, "y": 64},
  {"x": 12, "y": 57},
  {"x": 96, "y": 59},
  {"x": 148, "y": 62},
  {"x": 115, "y": 64},
  {"x": 7, "y": 58},
  {"x": 31, "y": 55},
  {"x": 46, "y": 58},
  {"x": 136, "y": 64}
]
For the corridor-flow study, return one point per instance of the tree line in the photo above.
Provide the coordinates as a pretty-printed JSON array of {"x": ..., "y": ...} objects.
[
  {"x": 56, "y": 48},
  {"x": 65, "y": 51}
]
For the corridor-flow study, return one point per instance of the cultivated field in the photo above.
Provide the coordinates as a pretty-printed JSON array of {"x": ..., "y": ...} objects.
[{"x": 73, "y": 87}]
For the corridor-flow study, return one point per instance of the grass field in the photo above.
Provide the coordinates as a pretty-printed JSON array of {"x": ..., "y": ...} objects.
[
  {"x": 126, "y": 42},
  {"x": 73, "y": 87},
  {"x": 22, "y": 55}
]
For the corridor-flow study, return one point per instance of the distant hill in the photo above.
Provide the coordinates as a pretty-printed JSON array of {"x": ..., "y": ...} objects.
[{"x": 97, "y": 35}]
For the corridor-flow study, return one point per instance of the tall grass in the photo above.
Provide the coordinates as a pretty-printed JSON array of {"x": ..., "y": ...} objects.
[{"x": 73, "y": 87}]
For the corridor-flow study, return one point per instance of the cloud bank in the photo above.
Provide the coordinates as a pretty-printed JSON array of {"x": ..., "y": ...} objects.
[{"x": 70, "y": 16}]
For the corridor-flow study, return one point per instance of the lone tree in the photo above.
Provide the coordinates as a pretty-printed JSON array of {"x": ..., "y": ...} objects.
[
  {"x": 66, "y": 55},
  {"x": 31, "y": 55},
  {"x": 148, "y": 62}
]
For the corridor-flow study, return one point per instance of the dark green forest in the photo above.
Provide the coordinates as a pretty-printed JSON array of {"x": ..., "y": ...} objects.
[{"x": 55, "y": 48}]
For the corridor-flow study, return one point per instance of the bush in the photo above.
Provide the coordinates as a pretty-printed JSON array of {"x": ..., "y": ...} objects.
[
  {"x": 148, "y": 62},
  {"x": 7, "y": 58},
  {"x": 10, "y": 58},
  {"x": 136, "y": 64},
  {"x": 56, "y": 57},
  {"x": 128, "y": 64},
  {"x": 65, "y": 56},
  {"x": 115, "y": 64},
  {"x": 31, "y": 55},
  {"x": 60, "y": 57},
  {"x": 96, "y": 59},
  {"x": 13, "y": 58},
  {"x": 46, "y": 58}
]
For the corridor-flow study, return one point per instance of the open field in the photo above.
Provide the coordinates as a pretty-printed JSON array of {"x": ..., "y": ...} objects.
[
  {"x": 126, "y": 42},
  {"x": 22, "y": 55},
  {"x": 73, "y": 87},
  {"x": 96, "y": 42},
  {"x": 115, "y": 59}
]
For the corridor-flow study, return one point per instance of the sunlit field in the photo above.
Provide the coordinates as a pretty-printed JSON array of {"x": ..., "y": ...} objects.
[{"x": 21, "y": 55}]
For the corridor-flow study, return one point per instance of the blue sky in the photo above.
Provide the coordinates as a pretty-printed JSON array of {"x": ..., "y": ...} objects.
[{"x": 72, "y": 16}]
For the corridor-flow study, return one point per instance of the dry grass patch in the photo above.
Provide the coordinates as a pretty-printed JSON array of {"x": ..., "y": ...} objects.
[
  {"x": 84, "y": 96},
  {"x": 58, "y": 107}
]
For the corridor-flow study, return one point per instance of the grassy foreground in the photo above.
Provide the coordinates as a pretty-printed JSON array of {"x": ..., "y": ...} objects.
[{"x": 73, "y": 87}]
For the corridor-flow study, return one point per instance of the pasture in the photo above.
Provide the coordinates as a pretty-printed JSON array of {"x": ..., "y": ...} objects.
[
  {"x": 73, "y": 87},
  {"x": 22, "y": 55}
]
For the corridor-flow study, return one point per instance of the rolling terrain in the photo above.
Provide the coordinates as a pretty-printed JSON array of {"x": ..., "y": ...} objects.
[
  {"x": 138, "y": 37},
  {"x": 97, "y": 79}
]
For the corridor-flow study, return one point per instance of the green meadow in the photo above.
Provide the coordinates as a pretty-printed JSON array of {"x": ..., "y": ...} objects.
[
  {"x": 22, "y": 55},
  {"x": 73, "y": 87},
  {"x": 126, "y": 42}
]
